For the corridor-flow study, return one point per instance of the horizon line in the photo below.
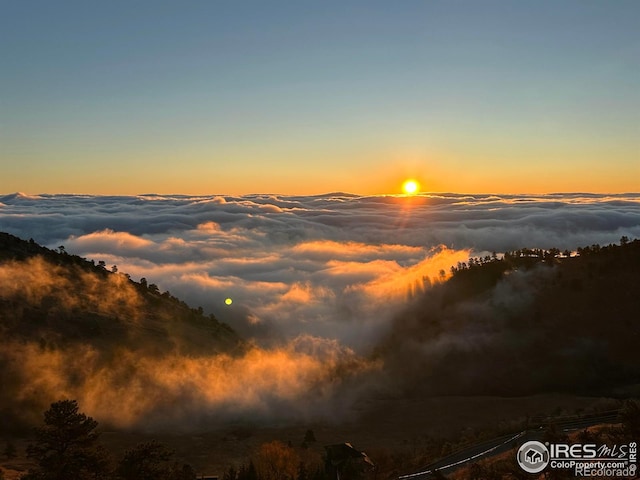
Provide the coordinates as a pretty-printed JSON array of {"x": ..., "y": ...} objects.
[{"x": 329, "y": 193}]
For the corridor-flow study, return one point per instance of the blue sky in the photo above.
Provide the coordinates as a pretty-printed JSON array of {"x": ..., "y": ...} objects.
[{"x": 301, "y": 97}]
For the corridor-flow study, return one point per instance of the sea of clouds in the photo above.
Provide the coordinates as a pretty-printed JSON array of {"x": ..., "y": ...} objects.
[
  {"x": 328, "y": 287},
  {"x": 334, "y": 266}
]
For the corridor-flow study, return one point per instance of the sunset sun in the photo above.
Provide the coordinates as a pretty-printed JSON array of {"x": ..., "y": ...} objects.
[{"x": 410, "y": 187}]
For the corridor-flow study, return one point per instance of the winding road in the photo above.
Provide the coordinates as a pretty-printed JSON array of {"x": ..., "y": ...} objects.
[{"x": 505, "y": 443}]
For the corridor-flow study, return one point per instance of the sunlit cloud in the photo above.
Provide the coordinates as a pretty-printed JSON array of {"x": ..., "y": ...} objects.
[
  {"x": 299, "y": 380},
  {"x": 398, "y": 282},
  {"x": 354, "y": 250},
  {"x": 109, "y": 240}
]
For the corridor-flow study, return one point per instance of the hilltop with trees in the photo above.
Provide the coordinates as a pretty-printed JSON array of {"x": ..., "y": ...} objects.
[
  {"x": 78, "y": 318},
  {"x": 58, "y": 299},
  {"x": 526, "y": 322}
]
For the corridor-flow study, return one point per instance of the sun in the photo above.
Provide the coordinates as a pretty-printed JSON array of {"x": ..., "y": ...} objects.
[{"x": 410, "y": 187}]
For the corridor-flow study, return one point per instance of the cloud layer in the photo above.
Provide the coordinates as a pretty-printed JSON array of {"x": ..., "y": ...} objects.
[
  {"x": 334, "y": 266},
  {"x": 321, "y": 283}
]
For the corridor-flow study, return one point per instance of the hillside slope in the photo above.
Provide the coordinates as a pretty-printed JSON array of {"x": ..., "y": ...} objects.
[
  {"x": 63, "y": 312},
  {"x": 533, "y": 321}
]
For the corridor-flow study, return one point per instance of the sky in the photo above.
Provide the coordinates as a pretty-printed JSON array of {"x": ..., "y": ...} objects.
[{"x": 301, "y": 98}]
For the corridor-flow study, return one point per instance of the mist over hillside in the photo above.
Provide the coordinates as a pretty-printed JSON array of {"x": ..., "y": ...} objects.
[
  {"x": 528, "y": 322},
  {"x": 532, "y": 321},
  {"x": 64, "y": 299},
  {"x": 139, "y": 358}
]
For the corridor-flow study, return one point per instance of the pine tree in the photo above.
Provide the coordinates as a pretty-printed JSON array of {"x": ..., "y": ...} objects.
[{"x": 66, "y": 446}]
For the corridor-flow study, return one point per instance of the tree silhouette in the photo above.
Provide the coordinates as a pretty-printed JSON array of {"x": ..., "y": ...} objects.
[
  {"x": 10, "y": 451},
  {"x": 230, "y": 474},
  {"x": 247, "y": 472},
  {"x": 145, "y": 461},
  {"x": 152, "y": 461},
  {"x": 309, "y": 436},
  {"x": 277, "y": 461},
  {"x": 630, "y": 416},
  {"x": 65, "y": 447}
]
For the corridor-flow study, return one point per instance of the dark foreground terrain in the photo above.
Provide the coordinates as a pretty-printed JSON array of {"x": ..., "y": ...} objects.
[{"x": 400, "y": 435}]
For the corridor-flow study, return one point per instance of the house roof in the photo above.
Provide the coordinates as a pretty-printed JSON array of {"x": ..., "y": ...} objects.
[{"x": 341, "y": 452}]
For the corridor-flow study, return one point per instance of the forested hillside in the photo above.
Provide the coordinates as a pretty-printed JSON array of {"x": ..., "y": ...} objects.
[
  {"x": 528, "y": 322},
  {"x": 65, "y": 312}
]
